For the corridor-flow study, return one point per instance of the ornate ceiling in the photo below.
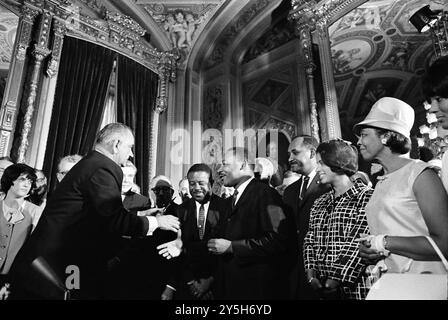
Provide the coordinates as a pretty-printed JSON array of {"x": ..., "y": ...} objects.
[
  {"x": 375, "y": 51},
  {"x": 8, "y": 29}
]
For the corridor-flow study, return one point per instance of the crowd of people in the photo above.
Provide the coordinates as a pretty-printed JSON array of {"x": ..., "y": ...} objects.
[{"x": 324, "y": 233}]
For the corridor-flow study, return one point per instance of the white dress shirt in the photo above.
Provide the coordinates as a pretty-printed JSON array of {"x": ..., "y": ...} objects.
[
  {"x": 311, "y": 176},
  {"x": 241, "y": 189}
]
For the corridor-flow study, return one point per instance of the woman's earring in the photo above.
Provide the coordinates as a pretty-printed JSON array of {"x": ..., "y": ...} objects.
[{"x": 383, "y": 141}]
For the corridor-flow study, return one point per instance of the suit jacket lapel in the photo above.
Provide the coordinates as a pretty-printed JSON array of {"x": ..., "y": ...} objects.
[
  {"x": 309, "y": 190},
  {"x": 212, "y": 219},
  {"x": 244, "y": 196},
  {"x": 192, "y": 221}
]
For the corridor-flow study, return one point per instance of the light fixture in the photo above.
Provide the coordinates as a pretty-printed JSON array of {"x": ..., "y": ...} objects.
[{"x": 425, "y": 19}]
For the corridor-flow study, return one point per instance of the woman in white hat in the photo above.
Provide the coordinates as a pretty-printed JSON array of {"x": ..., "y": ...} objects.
[{"x": 409, "y": 201}]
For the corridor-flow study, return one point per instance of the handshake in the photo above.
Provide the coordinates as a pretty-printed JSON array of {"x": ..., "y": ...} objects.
[
  {"x": 168, "y": 222},
  {"x": 164, "y": 222}
]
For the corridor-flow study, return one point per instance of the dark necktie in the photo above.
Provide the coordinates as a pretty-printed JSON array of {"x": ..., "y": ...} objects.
[
  {"x": 305, "y": 180},
  {"x": 235, "y": 194},
  {"x": 201, "y": 221}
]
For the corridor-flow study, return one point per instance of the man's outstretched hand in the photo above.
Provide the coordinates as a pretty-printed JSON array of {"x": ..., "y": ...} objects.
[{"x": 171, "y": 249}]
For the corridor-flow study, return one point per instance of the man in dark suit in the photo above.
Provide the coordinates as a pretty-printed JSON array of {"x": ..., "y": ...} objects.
[
  {"x": 141, "y": 255},
  {"x": 202, "y": 218},
  {"x": 299, "y": 197},
  {"x": 85, "y": 211},
  {"x": 259, "y": 237}
]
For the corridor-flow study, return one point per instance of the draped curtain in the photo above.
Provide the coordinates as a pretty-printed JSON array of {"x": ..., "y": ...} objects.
[
  {"x": 136, "y": 96},
  {"x": 80, "y": 96}
]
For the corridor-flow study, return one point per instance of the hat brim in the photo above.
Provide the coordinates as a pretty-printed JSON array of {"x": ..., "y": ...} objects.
[{"x": 386, "y": 125}]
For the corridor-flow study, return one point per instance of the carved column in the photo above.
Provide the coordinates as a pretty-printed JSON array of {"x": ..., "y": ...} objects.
[
  {"x": 302, "y": 16},
  {"x": 56, "y": 49},
  {"x": 167, "y": 72},
  {"x": 41, "y": 123},
  {"x": 40, "y": 52},
  {"x": 331, "y": 103},
  {"x": 16, "y": 76}
]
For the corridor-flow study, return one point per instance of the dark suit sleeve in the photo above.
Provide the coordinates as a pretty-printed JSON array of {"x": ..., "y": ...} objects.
[
  {"x": 104, "y": 195},
  {"x": 273, "y": 230}
]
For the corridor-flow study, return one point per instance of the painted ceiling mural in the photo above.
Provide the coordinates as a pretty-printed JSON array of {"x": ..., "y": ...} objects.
[
  {"x": 8, "y": 30},
  {"x": 376, "y": 52}
]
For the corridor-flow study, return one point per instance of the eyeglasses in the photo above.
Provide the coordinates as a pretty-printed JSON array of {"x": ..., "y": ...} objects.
[{"x": 161, "y": 189}]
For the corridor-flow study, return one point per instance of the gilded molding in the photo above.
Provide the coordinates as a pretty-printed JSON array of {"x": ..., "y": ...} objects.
[
  {"x": 167, "y": 72},
  {"x": 304, "y": 32},
  {"x": 331, "y": 108},
  {"x": 302, "y": 13},
  {"x": 56, "y": 50},
  {"x": 28, "y": 16},
  {"x": 36, "y": 3},
  {"x": 39, "y": 53},
  {"x": 4, "y": 140},
  {"x": 126, "y": 23},
  {"x": 8, "y": 116},
  {"x": 329, "y": 10},
  {"x": 312, "y": 12},
  {"x": 116, "y": 31},
  {"x": 44, "y": 30}
]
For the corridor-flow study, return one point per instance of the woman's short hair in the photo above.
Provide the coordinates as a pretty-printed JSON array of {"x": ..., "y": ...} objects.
[
  {"x": 13, "y": 172},
  {"x": 396, "y": 142},
  {"x": 341, "y": 156}
]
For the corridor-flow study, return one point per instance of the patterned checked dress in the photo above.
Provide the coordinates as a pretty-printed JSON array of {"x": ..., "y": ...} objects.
[{"x": 330, "y": 247}]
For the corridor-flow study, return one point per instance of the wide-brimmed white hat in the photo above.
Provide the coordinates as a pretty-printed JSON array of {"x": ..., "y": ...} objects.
[{"x": 390, "y": 114}]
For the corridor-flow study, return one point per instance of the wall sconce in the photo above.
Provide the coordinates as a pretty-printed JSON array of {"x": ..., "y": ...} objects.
[{"x": 437, "y": 22}]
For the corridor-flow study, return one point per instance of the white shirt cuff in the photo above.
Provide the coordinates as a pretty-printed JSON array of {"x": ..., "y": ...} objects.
[
  {"x": 172, "y": 288},
  {"x": 153, "y": 225}
]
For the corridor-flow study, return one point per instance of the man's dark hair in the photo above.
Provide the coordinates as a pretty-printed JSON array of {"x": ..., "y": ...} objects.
[
  {"x": 13, "y": 172},
  {"x": 435, "y": 81},
  {"x": 242, "y": 154},
  {"x": 202, "y": 167},
  {"x": 39, "y": 193}
]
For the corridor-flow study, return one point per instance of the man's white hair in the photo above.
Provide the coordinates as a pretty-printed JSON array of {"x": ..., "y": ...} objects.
[{"x": 111, "y": 132}]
